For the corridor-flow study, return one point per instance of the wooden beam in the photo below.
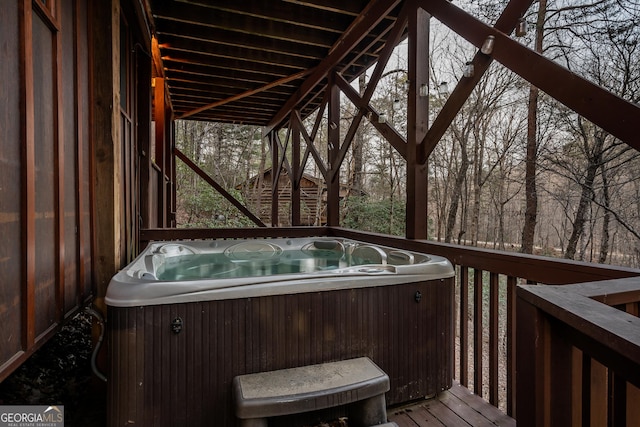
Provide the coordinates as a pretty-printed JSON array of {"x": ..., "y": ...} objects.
[
  {"x": 386, "y": 130},
  {"x": 505, "y": 23},
  {"x": 176, "y": 46},
  {"x": 230, "y": 37},
  {"x": 310, "y": 147},
  {"x": 282, "y": 159},
  {"x": 221, "y": 17},
  {"x": 531, "y": 267},
  {"x": 363, "y": 105},
  {"x": 374, "y": 12},
  {"x": 605, "y": 109},
  {"x": 317, "y": 18},
  {"x": 179, "y": 154},
  {"x": 156, "y": 58},
  {"x": 247, "y": 93}
]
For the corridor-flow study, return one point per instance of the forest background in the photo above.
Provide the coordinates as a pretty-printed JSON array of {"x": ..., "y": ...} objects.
[{"x": 515, "y": 171}]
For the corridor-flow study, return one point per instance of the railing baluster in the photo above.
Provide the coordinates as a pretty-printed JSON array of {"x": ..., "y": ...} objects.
[
  {"x": 632, "y": 308},
  {"x": 477, "y": 332},
  {"x": 493, "y": 337},
  {"x": 617, "y": 411},
  {"x": 511, "y": 345},
  {"x": 464, "y": 326},
  {"x": 599, "y": 393},
  {"x": 586, "y": 390},
  {"x": 633, "y": 397}
]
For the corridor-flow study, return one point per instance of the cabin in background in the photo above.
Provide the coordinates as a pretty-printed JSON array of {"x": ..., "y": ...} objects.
[
  {"x": 313, "y": 197},
  {"x": 258, "y": 193},
  {"x": 90, "y": 91}
]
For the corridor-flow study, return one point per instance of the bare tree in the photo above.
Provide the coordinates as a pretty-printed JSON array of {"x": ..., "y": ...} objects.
[
  {"x": 531, "y": 160},
  {"x": 605, "y": 42}
]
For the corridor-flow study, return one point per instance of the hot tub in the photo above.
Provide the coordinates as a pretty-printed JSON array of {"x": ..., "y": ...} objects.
[{"x": 186, "y": 317}]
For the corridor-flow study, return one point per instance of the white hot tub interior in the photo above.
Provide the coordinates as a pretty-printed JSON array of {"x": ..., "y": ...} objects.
[{"x": 173, "y": 271}]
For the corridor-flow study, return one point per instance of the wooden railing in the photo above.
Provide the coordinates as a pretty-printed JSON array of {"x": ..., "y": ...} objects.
[
  {"x": 579, "y": 354},
  {"x": 487, "y": 283}
]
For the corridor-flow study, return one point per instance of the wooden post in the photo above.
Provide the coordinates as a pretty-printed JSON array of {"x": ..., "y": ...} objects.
[
  {"x": 295, "y": 172},
  {"x": 159, "y": 118},
  {"x": 333, "y": 132},
  {"x": 417, "y": 126},
  {"x": 275, "y": 163},
  {"x": 173, "y": 203},
  {"x": 105, "y": 138},
  {"x": 531, "y": 366},
  {"x": 169, "y": 160},
  {"x": 28, "y": 178},
  {"x": 144, "y": 152},
  {"x": 560, "y": 378}
]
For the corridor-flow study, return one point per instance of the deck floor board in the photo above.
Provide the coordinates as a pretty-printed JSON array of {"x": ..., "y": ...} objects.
[{"x": 456, "y": 407}]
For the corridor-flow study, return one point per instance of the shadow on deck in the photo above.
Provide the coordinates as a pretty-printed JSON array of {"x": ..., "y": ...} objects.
[{"x": 455, "y": 407}]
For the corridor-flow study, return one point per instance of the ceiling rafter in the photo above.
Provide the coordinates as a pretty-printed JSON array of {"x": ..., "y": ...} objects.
[
  {"x": 317, "y": 19},
  {"x": 347, "y": 7},
  {"x": 197, "y": 60},
  {"x": 373, "y": 13},
  {"x": 246, "y": 94},
  {"x": 239, "y": 24},
  {"x": 237, "y": 53},
  {"x": 247, "y": 41},
  {"x": 226, "y": 48}
]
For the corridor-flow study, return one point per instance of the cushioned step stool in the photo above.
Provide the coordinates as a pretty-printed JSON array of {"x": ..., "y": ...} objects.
[{"x": 358, "y": 383}]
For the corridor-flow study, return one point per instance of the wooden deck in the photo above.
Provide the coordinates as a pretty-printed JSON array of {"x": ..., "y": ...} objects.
[{"x": 454, "y": 407}]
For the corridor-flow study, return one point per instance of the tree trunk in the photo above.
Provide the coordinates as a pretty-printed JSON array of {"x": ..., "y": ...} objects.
[
  {"x": 531, "y": 192},
  {"x": 605, "y": 239},
  {"x": 478, "y": 159},
  {"x": 580, "y": 219},
  {"x": 457, "y": 194}
]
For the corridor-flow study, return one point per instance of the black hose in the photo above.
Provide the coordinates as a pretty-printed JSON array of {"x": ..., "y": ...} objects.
[{"x": 94, "y": 355}]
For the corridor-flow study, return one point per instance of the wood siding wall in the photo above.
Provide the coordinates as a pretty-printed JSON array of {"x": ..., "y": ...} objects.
[
  {"x": 121, "y": 122},
  {"x": 45, "y": 214},
  {"x": 161, "y": 378}
]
